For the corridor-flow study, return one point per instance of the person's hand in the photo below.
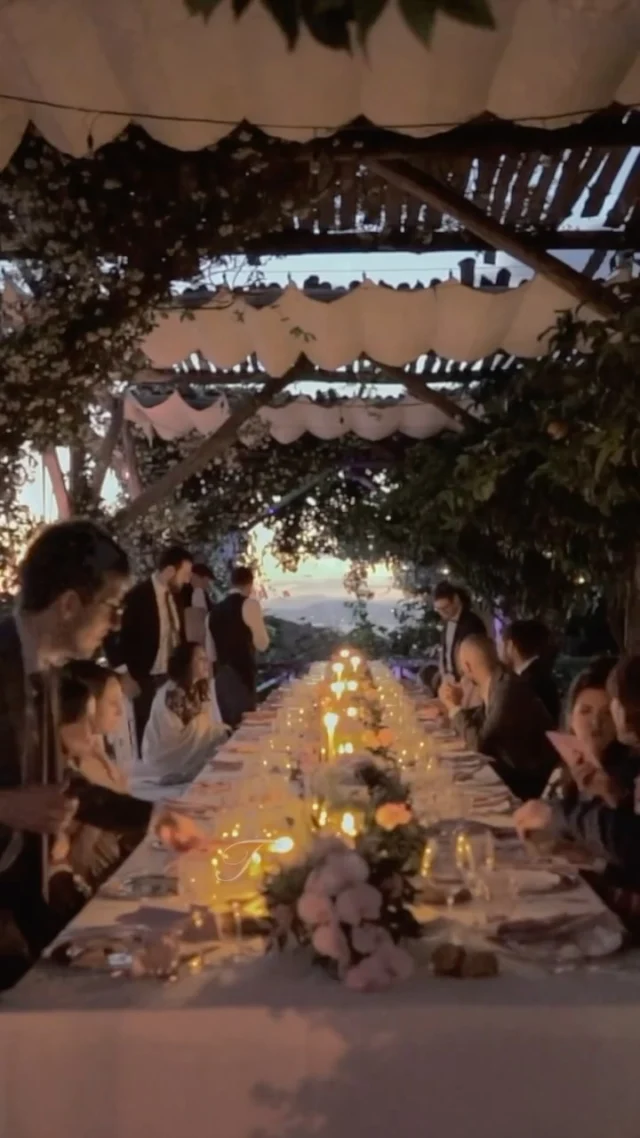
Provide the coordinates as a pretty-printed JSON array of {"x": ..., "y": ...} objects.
[
  {"x": 596, "y": 783},
  {"x": 450, "y": 695},
  {"x": 178, "y": 831},
  {"x": 129, "y": 686},
  {"x": 533, "y": 815},
  {"x": 36, "y": 809}
]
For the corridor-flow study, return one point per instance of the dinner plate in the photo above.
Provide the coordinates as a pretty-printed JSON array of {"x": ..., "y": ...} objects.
[
  {"x": 140, "y": 886},
  {"x": 537, "y": 882}
]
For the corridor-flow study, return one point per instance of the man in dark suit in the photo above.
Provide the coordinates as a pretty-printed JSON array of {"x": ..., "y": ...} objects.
[
  {"x": 453, "y": 605},
  {"x": 510, "y": 727},
  {"x": 152, "y": 627},
  {"x": 238, "y": 631},
  {"x": 526, "y": 650},
  {"x": 72, "y": 582}
]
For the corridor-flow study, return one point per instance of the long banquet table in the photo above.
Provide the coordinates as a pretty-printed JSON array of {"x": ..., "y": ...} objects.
[{"x": 265, "y": 1047}]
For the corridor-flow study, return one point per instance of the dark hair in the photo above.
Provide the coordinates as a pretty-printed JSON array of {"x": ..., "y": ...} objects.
[
  {"x": 173, "y": 557},
  {"x": 202, "y": 570},
  {"x": 428, "y": 673},
  {"x": 241, "y": 576},
  {"x": 77, "y": 556},
  {"x": 74, "y": 697},
  {"x": 180, "y": 661},
  {"x": 94, "y": 676},
  {"x": 596, "y": 677},
  {"x": 530, "y": 638},
  {"x": 446, "y": 591},
  {"x": 624, "y": 685}
]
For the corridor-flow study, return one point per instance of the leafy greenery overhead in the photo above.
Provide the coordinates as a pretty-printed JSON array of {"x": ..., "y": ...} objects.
[
  {"x": 537, "y": 509},
  {"x": 102, "y": 241},
  {"x": 330, "y": 21}
]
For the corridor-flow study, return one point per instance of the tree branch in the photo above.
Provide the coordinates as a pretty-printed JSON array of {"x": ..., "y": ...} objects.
[
  {"x": 107, "y": 446},
  {"x": 203, "y": 454},
  {"x": 54, "y": 470}
]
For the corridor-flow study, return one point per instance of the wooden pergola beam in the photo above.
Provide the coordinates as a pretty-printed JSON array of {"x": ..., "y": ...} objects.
[
  {"x": 202, "y": 455},
  {"x": 419, "y": 389},
  {"x": 432, "y": 192}
]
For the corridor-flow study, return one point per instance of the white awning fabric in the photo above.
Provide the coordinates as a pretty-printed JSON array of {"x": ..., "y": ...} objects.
[
  {"x": 548, "y": 61},
  {"x": 392, "y": 326},
  {"x": 174, "y": 418}
]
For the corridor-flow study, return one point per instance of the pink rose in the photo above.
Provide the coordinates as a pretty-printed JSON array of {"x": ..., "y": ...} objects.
[
  {"x": 338, "y": 872},
  {"x": 397, "y": 961},
  {"x": 359, "y": 903},
  {"x": 370, "y": 975},
  {"x": 315, "y": 909},
  {"x": 368, "y": 938},
  {"x": 329, "y": 940},
  {"x": 393, "y": 814}
]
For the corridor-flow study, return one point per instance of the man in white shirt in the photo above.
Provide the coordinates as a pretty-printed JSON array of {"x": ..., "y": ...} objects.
[{"x": 238, "y": 631}]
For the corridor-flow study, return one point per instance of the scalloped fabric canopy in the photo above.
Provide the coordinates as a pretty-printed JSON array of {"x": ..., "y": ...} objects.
[
  {"x": 549, "y": 61},
  {"x": 391, "y": 326},
  {"x": 174, "y": 417}
]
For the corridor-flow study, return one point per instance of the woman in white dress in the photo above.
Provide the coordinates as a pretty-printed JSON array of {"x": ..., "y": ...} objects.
[{"x": 183, "y": 729}]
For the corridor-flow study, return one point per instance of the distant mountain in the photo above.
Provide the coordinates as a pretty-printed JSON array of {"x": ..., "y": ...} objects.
[{"x": 326, "y": 612}]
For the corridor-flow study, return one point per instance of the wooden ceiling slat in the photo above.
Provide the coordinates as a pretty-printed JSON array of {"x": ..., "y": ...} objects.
[
  {"x": 627, "y": 197},
  {"x": 549, "y": 168},
  {"x": 508, "y": 172},
  {"x": 577, "y": 171},
  {"x": 518, "y": 206},
  {"x": 602, "y": 186},
  {"x": 349, "y": 194}
]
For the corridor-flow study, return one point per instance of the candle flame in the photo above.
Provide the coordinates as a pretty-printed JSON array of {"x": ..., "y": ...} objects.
[
  {"x": 281, "y": 845},
  {"x": 348, "y": 825}
]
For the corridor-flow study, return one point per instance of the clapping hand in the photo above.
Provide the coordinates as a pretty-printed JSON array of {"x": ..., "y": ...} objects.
[{"x": 450, "y": 695}]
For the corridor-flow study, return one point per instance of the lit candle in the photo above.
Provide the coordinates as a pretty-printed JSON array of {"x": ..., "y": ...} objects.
[
  {"x": 355, "y": 662},
  {"x": 348, "y": 825},
  {"x": 337, "y": 670},
  {"x": 331, "y": 720},
  {"x": 281, "y": 845},
  {"x": 338, "y": 690},
  {"x": 352, "y": 712}
]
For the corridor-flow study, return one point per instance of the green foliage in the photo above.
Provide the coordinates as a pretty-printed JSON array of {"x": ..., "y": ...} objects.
[{"x": 329, "y": 21}]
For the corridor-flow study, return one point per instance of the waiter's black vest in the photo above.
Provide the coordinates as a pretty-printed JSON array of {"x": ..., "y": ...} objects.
[{"x": 233, "y": 640}]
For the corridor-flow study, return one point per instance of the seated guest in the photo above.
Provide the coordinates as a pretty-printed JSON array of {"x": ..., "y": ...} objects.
[
  {"x": 597, "y": 807},
  {"x": 526, "y": 649},
  {"x": 511, "y": 724},
  {"x": 182, "y": 733},
  {"x": 429, "y": 675},
  {"x": 86, "y": 853},
  {"x": 107, "y": 715},
  {"x": 453, "y": 605}
]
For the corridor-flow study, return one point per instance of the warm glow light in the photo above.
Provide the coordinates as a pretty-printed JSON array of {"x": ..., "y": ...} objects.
[
  {"x": 352, "y": 685},
  {"x": 348, "y": 825},
  {"x": 322, "y": 820},
  {"x": 337, "y": 670},
  {"x": 355, "y": 662},
  {"x": 338, "y": 689},
  {"x": 281, "y": 845},
  {"x": 345, "y": 653},
  {"x": 352, "y": 712},
  {"x": 331, "y": 720}
]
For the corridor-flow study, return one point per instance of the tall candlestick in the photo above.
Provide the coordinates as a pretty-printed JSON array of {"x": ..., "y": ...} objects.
[{"x": 331, "y": 720}]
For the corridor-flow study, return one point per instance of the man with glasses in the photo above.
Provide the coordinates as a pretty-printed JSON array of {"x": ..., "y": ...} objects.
[{"x": 72, "y": 582}]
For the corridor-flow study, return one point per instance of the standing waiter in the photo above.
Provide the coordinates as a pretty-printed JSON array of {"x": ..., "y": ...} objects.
[{"x": 238, "y": 631}]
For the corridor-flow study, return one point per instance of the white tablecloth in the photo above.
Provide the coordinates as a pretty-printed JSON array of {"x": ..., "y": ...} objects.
[{"x": 269, "y": 1048}]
